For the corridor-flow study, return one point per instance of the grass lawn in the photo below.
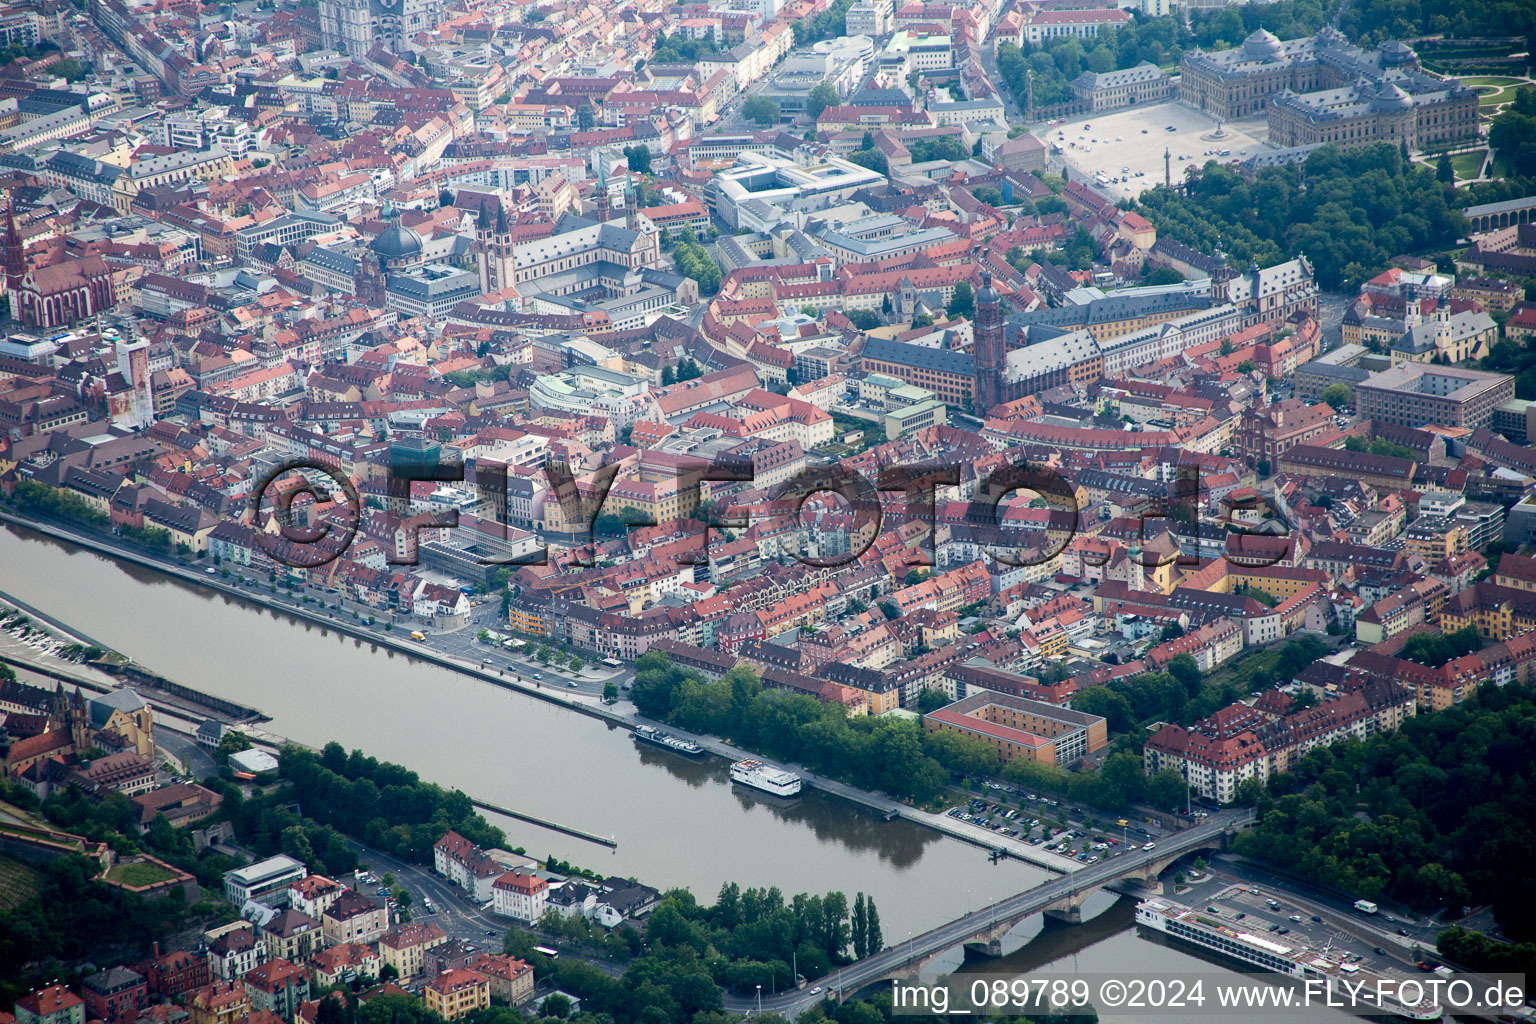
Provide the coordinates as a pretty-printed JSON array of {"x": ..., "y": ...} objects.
[
  {"x": 141, "y": 873},
  {"x": 10, "y": 812},
  {"x": 1466, "y": 165},
  {"x": 1239, "y": 669},
  {"x": 1493, "y": 90},
  {"x": 18, "y": 882}
]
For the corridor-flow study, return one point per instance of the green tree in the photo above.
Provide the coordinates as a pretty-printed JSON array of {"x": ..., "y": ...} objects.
[
  {"x": 820, "y": 98},
  {"x": 1445, "y": 173},
  {"x": 1337, "y": 396},
  {"x": 860, "y": 928},
  {"x": 638, "y": 158},
  {"x": 1184, "y": 670},
  {"x": 296, "y": 845},
  {"x": 930, "y": 699},
  {"x": 1113, "y": 707},
  {"x": 694, "y": 261},
  {"x": 962, "y": 302},
  {"x": 232, "y": 743},
  {"x": 871, "y": 158},
  {"x": 760, "y": 110},
  {"x": 875, "y": 940},
  {"x": 1166, "y": 789}
]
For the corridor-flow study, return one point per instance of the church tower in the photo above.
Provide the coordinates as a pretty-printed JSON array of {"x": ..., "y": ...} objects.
[
  {"x": 494, "y": 242},
  {"x": 990, "y": 349},
  {"x": 1221, "y": 279},
  {"x": 15, "y": 262},
  {"x": 368, "y": 281}
]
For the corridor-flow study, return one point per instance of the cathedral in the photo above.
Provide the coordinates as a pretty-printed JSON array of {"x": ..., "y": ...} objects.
[
  {"x": 356, "y": 26},
  {"x": 495, "y": 250},
  {"x": 65, "y": 293},
  {"x": 40, "y": 724},
  {"x": 396, "y": 250}
]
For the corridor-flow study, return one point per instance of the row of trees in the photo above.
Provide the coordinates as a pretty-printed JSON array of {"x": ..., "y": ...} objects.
[
  {"x": 1479, "y": 952},
  {"x": 56, "y": 503},
  {"x": 1159, "y": 40},
  {"x": 384, "y": 804},
  {"x": 829, "y": 24},
  {"x": 1225, "y": 27},
  {"x": 898, "y": 757},
  {"x": 871, "y": 752},
  {"x": 680, "y": 49},
  {"x": 1349, "y": 211},
  {"x": 1374, "y": 21}
]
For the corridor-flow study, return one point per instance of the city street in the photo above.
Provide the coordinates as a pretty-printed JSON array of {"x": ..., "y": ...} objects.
[{"x": 185, "y": 749}]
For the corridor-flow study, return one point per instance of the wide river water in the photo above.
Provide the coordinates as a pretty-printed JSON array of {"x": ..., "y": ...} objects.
[{"x": 677, "y": 822}]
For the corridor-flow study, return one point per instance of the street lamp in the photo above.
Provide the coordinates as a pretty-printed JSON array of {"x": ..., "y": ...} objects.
[
  {"x": 759, "y": 999},
  {"x": 967, "y": 903}
]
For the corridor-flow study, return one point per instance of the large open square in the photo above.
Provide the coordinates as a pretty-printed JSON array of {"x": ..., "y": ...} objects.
[{"x": 1130, "y": 143}]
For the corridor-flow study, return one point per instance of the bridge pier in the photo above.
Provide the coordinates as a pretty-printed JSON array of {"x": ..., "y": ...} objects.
[
  {"x": 990, "y": 948},
  {"x": 1071, "y": 913}
]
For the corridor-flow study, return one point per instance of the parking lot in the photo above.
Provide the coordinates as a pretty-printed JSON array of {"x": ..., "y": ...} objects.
[
  {"x": 1130, "y": 143},
  {"x": 1024, "y": 816}
]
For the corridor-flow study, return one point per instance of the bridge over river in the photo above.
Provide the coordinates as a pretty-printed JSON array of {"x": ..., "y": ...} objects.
[{"x": 982, "y": 930}]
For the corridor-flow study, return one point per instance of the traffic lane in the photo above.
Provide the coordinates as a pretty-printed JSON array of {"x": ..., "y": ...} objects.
[
  {"x": 454, "y": 916},
  {"x": 187, "y": 750},
  {"x": 1333, "y": 911},
  {"x": 1388, "y": 923},
  {"x": 460, "y": 645}
]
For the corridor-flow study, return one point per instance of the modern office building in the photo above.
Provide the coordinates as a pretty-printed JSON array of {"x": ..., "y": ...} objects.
[{"x": 265, "y": 881}]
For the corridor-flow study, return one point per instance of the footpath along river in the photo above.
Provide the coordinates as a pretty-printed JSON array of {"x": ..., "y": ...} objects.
[{"x": 678, "y": 822}]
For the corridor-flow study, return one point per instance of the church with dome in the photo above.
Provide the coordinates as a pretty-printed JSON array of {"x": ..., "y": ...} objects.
[
  {"x": 1322, "y": 89},
  {"x": 395, "y": 251}
]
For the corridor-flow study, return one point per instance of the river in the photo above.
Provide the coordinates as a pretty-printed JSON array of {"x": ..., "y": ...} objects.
[{"x": 677, "y": 822}]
